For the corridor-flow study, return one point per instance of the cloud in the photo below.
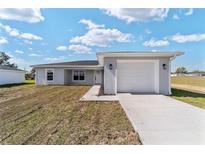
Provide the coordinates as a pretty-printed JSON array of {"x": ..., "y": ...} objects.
[
  {"x": 21, "y": 63},
  {"x": 147, "y": 31},
  {"x": 34, "y": 55},
  {"x": 101, "y": 37},
  {"x": 27, "y": 42},
  {"x": 52, "y": 59},
  {"x": 3, "y": 40},
  {"x": 19, "y": 51},
  {"x": 176, "y": 17},
  {"x": 30, "y": 36},
  {"x": 16, "y": 33},
  {"x": 27, "y": 14},
  {"x": 156, "y": 43},
  {"x": 90, "y": 24},
  {"x": 188, "y": 38},
  {"x": 190, "y": 12},
  {"x": 62, "y": 48},
  {"x": 80, "y": 49},
  {"x": 137, "y": 15}
]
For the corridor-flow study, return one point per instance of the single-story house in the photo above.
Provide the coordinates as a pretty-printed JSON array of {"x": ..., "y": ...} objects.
[
  {"x": 10, "y": 75},
  {"x": 134, "y": 72}
]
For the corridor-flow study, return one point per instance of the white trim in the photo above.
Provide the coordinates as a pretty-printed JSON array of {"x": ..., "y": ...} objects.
[
  {"x": 102, "y": 55},
  {"x": 170, "y": 92},
  {"x": 139, "y": 54},
  {"x": 46, "y": 71},
  {"x": 156, "y": 65},
  {"x": 78, "y": 72},
  {"x": 67, "y": 66}
]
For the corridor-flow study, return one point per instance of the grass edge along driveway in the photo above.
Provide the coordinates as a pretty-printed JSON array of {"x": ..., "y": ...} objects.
[{"x": 193, "y": 98}]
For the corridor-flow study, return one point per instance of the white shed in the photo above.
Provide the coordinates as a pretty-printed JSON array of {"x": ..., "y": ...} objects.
[{"x": 9, "y": 75}]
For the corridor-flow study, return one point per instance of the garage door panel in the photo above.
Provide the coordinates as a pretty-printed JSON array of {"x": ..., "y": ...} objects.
[{"x": 136, "y": 77}]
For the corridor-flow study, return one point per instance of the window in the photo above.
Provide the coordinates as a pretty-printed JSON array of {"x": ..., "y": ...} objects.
[
  {"x": 78, "y": 75},
  {"x": 75, "y": 76},
  {"x": 82, "y": 75},
  {"x": 49, "y": 75}
]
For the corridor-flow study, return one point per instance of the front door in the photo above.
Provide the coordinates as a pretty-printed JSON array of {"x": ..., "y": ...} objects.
[{"x": 98, "y": 77}]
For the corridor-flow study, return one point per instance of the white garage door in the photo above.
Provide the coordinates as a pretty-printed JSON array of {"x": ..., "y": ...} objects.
[{"x": 137, "y": 76}]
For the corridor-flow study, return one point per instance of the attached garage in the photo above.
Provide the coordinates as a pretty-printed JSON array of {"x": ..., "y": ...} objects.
[
  {"x": 138, "y": 76},
  {"x": 137, "y": 72}
]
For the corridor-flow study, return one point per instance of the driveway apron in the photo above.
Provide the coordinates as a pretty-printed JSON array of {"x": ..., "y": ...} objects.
[{"x": 162, "y": 120}]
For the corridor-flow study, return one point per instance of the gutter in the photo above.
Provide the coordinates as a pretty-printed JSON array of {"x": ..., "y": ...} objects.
[{"x": 175, "y": 55}]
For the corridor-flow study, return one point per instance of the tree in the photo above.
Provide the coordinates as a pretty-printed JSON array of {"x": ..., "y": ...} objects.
[
  {"x": 198, "y": 71},
  {"x": 30, "y": 75},
  {"x": 4, "y": 60},
  {"x": 181, "y": 70}
]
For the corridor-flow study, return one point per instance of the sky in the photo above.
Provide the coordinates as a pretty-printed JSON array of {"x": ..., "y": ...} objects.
[{"x": 38, "y": 36}]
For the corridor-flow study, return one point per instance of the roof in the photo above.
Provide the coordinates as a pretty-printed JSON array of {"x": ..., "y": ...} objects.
[
  {"x": 139, "y": 54},
  {"x": 101, "y": 55},
  {"x": 9, "y": 68},
  {"x": 82, "y": 63}
]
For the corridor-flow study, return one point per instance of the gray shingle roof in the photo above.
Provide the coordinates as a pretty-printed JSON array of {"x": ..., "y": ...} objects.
[
  {"x": 80, "y": 63},
  {"x": 9, "y": 68}
]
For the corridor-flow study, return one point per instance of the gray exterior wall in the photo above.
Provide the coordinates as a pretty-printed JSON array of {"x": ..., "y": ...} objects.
[
  {"x": 110, "y": 76},
  {"x": 89, "y": 78},
  {"x": 67, "y": 76},
  {"x": 63, "y": 76},
  {"x": 58, "y": 77}
]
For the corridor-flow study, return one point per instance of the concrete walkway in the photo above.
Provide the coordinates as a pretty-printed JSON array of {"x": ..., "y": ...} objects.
[
  {"x": 162, "y": 120},
  {"x": 93, "y": 95}
]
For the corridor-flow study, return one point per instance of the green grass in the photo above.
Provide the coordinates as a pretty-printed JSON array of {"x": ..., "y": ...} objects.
[
  {"x": 192, "y": 98},
  {"x": 26, "y": 82},
  {"x": 32, "y": 114},
  {"x": 189, "y": 80},
  {"x": 29, "y": 81}
]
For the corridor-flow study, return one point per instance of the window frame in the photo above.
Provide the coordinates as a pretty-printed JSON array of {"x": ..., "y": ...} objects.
[
  {"x": 46, "y": 75},
  {"x": 78, "y": 72}
]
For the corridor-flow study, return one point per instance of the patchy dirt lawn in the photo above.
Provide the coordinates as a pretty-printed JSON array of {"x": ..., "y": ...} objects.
[{"x": 53, "y": 115}]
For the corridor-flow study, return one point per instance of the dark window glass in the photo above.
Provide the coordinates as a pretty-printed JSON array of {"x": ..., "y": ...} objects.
[
  {"x": 82, "y": 75},
  {"x": 49, "y": 75},
  {"x": 79, "y": 75},
  {"x": 75, "y": 76}
]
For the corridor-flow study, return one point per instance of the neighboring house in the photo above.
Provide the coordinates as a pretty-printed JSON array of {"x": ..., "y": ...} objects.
[
  {"x": 179, "y": 74},
  {"x": 196, "y": 74},
  {"x": 135, "y": 72},
  {"x": 9, "y": 75}
]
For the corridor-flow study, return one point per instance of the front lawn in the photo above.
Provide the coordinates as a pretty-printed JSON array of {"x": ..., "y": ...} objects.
[
  {"x": 192, "y": 98},
  {"x": 32, "y": 114}
]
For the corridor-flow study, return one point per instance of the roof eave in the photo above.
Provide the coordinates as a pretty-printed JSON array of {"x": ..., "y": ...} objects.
[
  {"x": 139, "y": 54},
  {"x": 66, "y": 66}
]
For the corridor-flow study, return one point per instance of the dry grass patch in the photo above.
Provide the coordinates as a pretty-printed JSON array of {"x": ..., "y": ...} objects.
[
  {"x": 54, "y": 115},
  {"x": 189, "y": 81}
]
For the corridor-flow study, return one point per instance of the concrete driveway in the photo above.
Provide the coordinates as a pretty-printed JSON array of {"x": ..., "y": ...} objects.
[{"x": 162, "y": 120}]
